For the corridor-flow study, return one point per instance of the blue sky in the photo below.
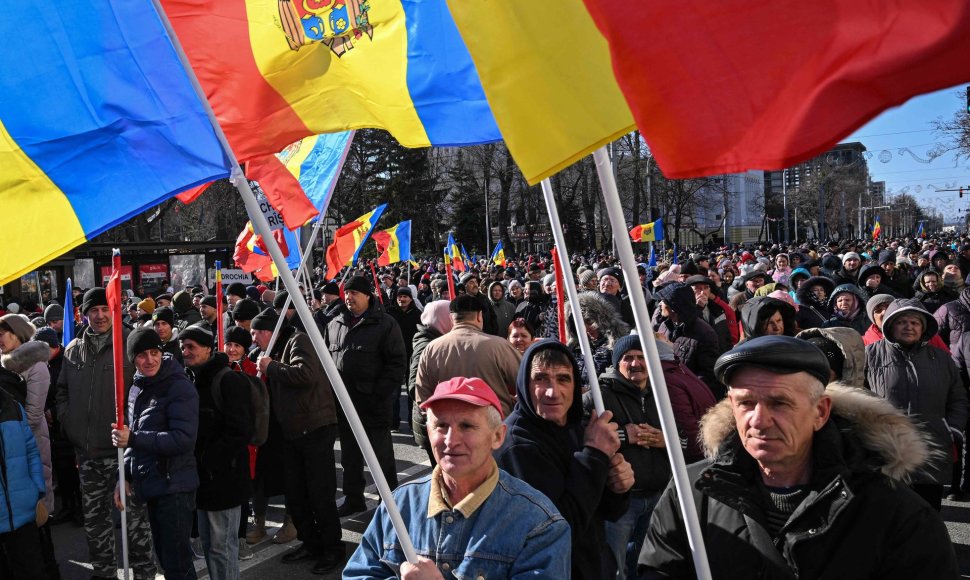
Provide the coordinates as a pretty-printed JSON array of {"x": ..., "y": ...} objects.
[{"x": 909, "y": 128}]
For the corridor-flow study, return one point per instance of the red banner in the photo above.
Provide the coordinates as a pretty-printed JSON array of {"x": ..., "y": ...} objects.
[{"x": 115, "y": 298}]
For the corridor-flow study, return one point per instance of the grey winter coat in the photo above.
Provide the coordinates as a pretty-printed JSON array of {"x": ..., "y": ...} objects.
[
  {"x": 86, "y": 394},
  {"x": 503, "y": 309},
  {"x": 29, "y": 360},
  {"x": 923, "y": 382}
]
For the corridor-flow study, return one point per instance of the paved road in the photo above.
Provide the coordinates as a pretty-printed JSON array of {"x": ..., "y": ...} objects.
[{"x": 411, "y": 463}]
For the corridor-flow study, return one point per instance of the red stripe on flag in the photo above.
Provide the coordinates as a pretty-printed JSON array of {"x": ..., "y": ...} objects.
[{"x": 727, "y": 86}]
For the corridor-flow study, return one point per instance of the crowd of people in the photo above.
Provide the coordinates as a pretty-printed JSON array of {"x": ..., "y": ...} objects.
[{"x": 819, "y": 393}]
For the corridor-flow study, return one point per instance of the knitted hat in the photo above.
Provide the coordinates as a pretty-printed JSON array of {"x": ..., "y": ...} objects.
[
  {"x": 467, "y": 276},
  {"x": 280, "y": 300},
  {"x": 614, "y": 272},
  {"x": 586, "y": 277},
  {"x": 245, "y": 309},
  {"x": 200, "y": 333},
  {"x": 875, "y": 301},
  {"x": 19, "y": 325},
  {"x": 549, "y": 280},
  {"x": 181, "y": 302},
  {"x": 54, "y": 312},
  {"x": 48, "y": 336},
  {"x": 13, "y": 308},
  {"x": 142, "y": 339},
  {"x": 628, "y": 342},
  {"x": 165, "y": 314},
  {"x": 358, "y": 283},
  {"x": 333, "y": 289},
  {"x": 404, "y": 291},
  {"x": 209, "y": 300},
  {"x": 147, "y": 305},
  {"x": 93, "y": 297},
  {"x": 240, "y": 336},
  {"x": 161, "y": 297},
  {"x": 252, "y": 293},
  {"x": 265, "y": 320},
  {"x": 849, "y": 255},
  {"x": 236, "y": 289}
]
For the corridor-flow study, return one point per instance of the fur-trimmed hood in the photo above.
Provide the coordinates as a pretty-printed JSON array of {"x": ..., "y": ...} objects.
[
  {"x": 597, "y": 310},
  {"x": 901, "y": 447},
  {"x": 25, "y": 356}
]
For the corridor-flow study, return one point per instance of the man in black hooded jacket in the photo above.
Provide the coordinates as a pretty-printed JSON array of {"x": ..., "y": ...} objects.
[{"x": 576, "y": 467}]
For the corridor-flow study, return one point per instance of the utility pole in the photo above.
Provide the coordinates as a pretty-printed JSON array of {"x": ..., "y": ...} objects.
[{"x": 784, "y": 200}]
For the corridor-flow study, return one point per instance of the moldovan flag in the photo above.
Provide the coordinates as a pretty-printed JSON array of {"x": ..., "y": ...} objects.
[
  {"x": 276, "y": 71},
  {"x": 498, "y": 256},
  {"x": 251, "y": 255},
  {"x": 652, "y": 232},
  {"x": 98, "y": 122},
  {"x": 732, "y": 85},
  {"x": 394, "y": 244},
  {"x": 919, "y": 231},
  {"x": 316, "y": 162},
  {"x": 349, "y": 240},
  {"x": 546, "y": 70},
  {"x": 876, "y": 229},
  {"x": 453, "y": 255}
]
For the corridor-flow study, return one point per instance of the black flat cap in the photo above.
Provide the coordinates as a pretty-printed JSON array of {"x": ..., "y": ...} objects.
[{"x": 778, "y": 354}]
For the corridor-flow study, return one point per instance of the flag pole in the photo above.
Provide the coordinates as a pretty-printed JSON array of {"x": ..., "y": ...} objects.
[
  {"x": 591, "y": 379},
  {"x": 624, "y": 249},
  {"x": 118, "y": 353},
  {"x": 303, "y": 310},
  {"x": 220, "y": 327}
]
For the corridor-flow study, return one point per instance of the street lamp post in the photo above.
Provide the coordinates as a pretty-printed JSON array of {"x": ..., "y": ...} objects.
[{"x": 784, "y": 201}]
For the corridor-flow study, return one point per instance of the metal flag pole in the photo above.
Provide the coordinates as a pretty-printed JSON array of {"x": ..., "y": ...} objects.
[
  {"x": 655, "y": 371},
  {"x": 591, "y": 379},
  {"x": 261, "y": 226}
]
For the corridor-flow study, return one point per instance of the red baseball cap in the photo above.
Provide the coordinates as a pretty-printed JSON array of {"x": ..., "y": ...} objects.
[{"x": 472, "y": 390}]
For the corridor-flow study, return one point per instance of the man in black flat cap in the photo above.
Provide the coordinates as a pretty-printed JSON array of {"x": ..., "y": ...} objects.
[{"x": 801, "y": 480}]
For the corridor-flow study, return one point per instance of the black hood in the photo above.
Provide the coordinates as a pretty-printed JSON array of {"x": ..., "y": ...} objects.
[
  {"x": 804, "y": 296},
  {"x": 525, "y": 406},
  {"x": 758, "y": 309}
]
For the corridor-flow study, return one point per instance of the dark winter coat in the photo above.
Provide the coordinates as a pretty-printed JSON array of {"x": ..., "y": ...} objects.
[
  {"x": 503, "y": 309},
  {"x": 812, "y": 313},
  {"x": 932, "y": 300},
  {"x": 371, "y": 360},
  {"x": 868, "y": 270},
  {"x": 857, "y": 522},
  {"x": 408, "y": 323},
  {"x": 86, "y": 394},
  {"x": 900, "y": 282},
  {"x": 221, "y": 448},
  {"x": 629, "y": 404},
  {"x": 554, "y": 460},
  {"x": 163, "y": 415},
  {"x": 922, "y": 381},
  {"x": 695, "y": 342},
  {"x": 300, "y": 393},
  {"x": 610, "y": 326},
  {"x": 756, "y": 312},
  {"x": 843, "y": 276},
  {"x": 953, "y": 319}
]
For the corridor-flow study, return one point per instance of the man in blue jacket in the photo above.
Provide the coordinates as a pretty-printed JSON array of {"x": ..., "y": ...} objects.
[
  {"x": 21, "y": 489},
  {"x": 459, "y": 517}
]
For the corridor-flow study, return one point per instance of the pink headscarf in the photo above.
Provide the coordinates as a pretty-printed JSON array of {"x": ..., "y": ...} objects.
[{"x": 436, "y": 316}]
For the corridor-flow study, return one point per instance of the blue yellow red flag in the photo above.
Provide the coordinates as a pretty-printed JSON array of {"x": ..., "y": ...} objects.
[
  {"x": 498, "y": 255},
  {"x": 98, "y": 122},
  {"x": 393, "y": 244},
  {"x": 876, "y": 229},
  {"x": 277, "y": 71},
  {"x": 349, "y": 240},
  {"x": 453, "y": 255},
  {"x": 919, "y": 231},
  {"x": 651, "y": 232},
  {"x": 69, "y": 320},
  {"x": 316, "y": 162}
]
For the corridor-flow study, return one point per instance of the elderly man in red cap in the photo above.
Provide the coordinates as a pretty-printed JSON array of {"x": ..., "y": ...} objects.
[{"x": 458, "y": 517}]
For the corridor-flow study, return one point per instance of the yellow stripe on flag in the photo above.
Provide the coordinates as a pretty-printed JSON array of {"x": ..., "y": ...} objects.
[
  {"x": 34, "y": 204},
  {"x": 546, "y": 71}
]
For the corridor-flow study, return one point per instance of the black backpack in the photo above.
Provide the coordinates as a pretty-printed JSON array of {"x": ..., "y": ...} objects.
[{"x": 258, "y": 398}]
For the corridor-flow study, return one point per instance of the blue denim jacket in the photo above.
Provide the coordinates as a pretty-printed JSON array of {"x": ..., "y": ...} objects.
[{"x": 517, "y": 532}]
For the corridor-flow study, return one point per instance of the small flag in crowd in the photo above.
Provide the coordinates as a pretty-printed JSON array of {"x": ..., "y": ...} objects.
[
  {"x": 498, "y": 256},
  {"x": 652, "y": 232}
]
